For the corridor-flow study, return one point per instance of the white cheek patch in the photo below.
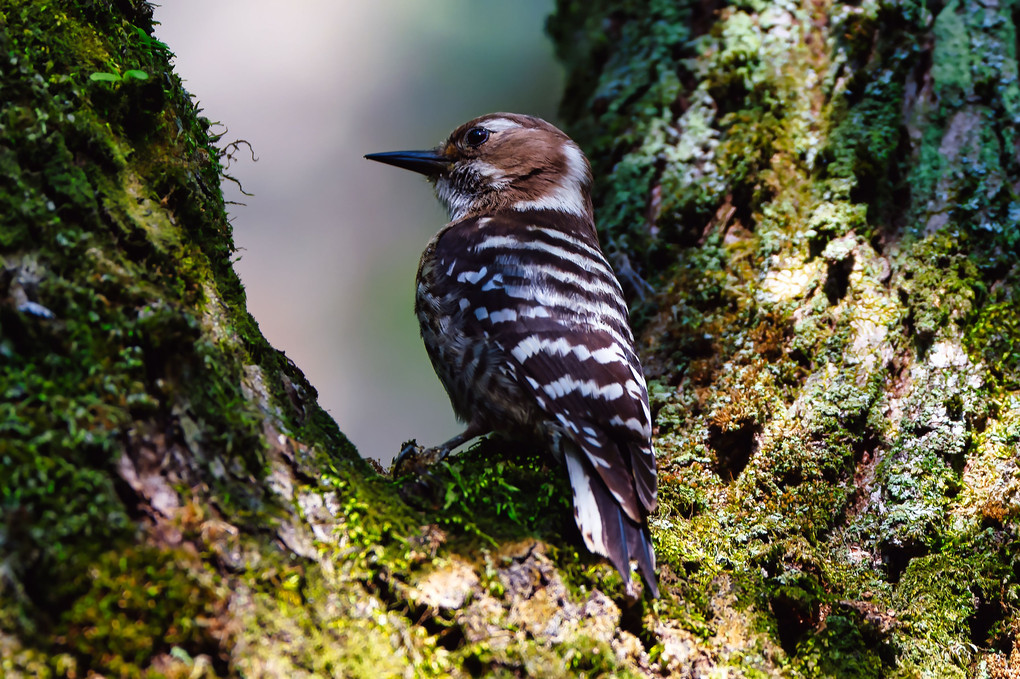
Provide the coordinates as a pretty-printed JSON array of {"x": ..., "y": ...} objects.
[
  {"x": 568, "y": 195},
  {"x": 577, "y": 166},
  {"x": 493, "y": 178},
  {"x": 487, "y": 170}
]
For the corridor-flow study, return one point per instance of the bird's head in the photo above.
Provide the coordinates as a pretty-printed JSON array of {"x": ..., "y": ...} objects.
[{"x": 503, "y": 161}]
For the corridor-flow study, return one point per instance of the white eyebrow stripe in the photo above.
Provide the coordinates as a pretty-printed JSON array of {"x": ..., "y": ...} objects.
[{"x": 498, "y": 124}]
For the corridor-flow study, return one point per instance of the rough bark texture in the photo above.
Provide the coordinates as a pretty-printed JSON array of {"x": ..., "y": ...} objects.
[{"x": 823, "y": 199}]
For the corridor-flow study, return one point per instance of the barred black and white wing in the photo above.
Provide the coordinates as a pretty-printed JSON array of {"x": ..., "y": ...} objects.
[{"x": 536, "y": 301}]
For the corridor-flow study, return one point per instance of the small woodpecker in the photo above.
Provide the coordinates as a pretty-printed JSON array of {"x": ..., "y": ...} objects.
[{"x": 526, "y": 324}]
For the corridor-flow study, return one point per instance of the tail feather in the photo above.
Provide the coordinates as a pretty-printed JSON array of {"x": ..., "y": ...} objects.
[
  {"x": 605, "y": 527},
  {"x": 639, "y": 543}
]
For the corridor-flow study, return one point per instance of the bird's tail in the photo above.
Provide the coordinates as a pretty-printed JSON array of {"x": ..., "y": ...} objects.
[{"x": 605, "y": 527}]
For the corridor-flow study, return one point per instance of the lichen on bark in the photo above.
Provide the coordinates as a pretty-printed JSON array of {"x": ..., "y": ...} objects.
[{"x": 821, "y": 389}]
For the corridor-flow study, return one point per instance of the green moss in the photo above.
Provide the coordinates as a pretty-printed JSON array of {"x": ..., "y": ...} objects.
[
  {"x": 774, "y": 164},
  {"x": 846, "y": 646},
  {"x": 115, "y": 252},
  {"x": 921, "y": 476},
  {"x": 805, "y": 204},
  {"x": 951, "y": 61},
  {"x": 582, "y": 657},
  {"x": 622, "y": 92},
  {"x": 139, "y": 603},
  {"x": 332, "y": 626},
  {"x": 967, "y": 134},
  {"x": 699, "y": 553},
  {"x": 947, "y": 601},
  {"x": 482, "y": 503},
  {"x": 993, "y": 337},
  {"x": 831, "y": 220}
]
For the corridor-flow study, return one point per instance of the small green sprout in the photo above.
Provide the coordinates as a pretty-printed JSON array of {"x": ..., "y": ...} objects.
[{"x": 130, "y": 74}]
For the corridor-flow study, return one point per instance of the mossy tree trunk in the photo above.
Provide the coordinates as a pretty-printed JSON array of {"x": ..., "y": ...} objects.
[
  {"x": 816, "y": 207},
  {"x": 826, "y": 199}
]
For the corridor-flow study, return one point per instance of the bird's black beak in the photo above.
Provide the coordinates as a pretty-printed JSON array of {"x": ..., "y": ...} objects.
[{"x": 429, "y": 163}]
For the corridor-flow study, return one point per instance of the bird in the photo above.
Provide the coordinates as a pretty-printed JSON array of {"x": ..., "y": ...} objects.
[{"x": 527, "y": 327}]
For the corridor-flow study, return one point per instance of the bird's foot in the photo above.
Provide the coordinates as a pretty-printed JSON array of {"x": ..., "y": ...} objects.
[
  {"x": 415, "y": 460},
  {"x": 418, "y": 485}
]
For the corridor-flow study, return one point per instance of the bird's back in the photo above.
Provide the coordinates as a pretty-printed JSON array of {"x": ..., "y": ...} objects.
[{"x": 527, "y": 328}]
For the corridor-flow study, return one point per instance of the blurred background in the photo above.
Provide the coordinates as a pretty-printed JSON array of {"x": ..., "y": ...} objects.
[{"x": 329, "y": 242}]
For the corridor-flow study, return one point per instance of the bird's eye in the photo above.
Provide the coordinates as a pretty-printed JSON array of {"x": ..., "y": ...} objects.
[{"x": 476, "y": 136}]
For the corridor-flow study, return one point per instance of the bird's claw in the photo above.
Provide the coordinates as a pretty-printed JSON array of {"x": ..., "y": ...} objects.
[
  {"x": 418, "y": 486},
  {"x": 408, "y": 452},
  {"x": 414, "y": 459}
]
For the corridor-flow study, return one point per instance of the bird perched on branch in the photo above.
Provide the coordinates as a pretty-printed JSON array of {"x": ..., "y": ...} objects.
[{"x": 527, "y": 326}]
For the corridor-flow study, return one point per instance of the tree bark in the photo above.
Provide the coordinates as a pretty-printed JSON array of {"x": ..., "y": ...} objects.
[{"x": 815, "y": 207}]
